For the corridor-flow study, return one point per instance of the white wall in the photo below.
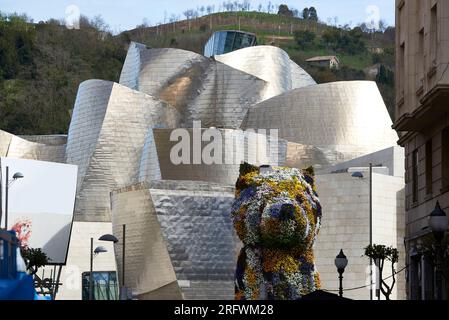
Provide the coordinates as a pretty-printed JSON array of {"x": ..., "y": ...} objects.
[
  {"x": 345, "y": 225},
  {"x": 78, "y": 260}
]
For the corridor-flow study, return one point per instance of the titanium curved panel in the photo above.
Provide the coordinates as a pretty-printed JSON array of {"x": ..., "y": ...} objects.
[
  {"x": 197, "y": 228},
  {"x": 347, "y": 118},
  {"x": 303, "y": 156},
  {"x": 151, "y": 70},
  {"x": 236, "y": 146},
  {"x": 131, "y": 67},
  {"x": 148, "y": 265},
  {"x": 271, "y": 64},
  {"x": 15, "y": 147},
  {"x": 149, "y": 163},
  {"x": 50, "y": 140},
  {"x": 200, "y": 88},
  {"x": 197, "y": 231},
  {"x": 105, "y": 140},
  {"x": 5, "y": 141},
  {"x": 88, "y": 114}
]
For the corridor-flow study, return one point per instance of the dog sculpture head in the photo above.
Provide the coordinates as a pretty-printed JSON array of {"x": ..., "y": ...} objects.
[
  {"x": 278, "y": 209},
  {"x": 277, "y": 216}
]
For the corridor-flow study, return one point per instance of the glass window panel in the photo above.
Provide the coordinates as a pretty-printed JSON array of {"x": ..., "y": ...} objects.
[{"x": 105, "y": 286}]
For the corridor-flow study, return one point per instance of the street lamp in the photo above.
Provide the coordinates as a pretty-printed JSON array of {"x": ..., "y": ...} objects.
[
  {"x": 109, "y": 237},
  {"x": 341, "y": 262},
  {"x": 15, "y": 177},
  {"x": 438, "y": 223},
  {"x": 98, "y": 250}
]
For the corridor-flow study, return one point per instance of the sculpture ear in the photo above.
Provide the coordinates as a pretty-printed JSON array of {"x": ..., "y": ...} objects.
[
  {"x": 309, "y": 174},
  {"x": 309, "y": 171},
  {"x": 246, "y": 168}
]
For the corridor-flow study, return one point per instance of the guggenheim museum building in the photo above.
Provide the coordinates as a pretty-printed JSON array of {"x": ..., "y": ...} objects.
[{"x": 180, "y": 241}]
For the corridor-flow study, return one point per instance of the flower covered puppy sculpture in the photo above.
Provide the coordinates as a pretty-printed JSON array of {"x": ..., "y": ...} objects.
[{"x": 276, "y": 215}]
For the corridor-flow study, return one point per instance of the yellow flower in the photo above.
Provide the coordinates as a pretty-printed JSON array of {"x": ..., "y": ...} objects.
[
  {"x": 274, "y": 260},
  {"x": 251, "y": 278},
  {"x": 317, "y": 280},
  {"x": 256, "y": 294}
]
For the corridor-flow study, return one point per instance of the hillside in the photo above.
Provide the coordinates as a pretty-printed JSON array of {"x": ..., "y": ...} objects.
[{"x": 41, "y": 65}]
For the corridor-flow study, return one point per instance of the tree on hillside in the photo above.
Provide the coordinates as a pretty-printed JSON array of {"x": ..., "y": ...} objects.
[
  {"x": 345, "y": 41},
  {"x": 385, "y": 76},
  {"x": 310, "y": 14},
  {"x": 304, "y": 38},
  {"x": 305, "y": 14},
  {"x": 295, "y": 13},
  {"x": 247, "y": 5},
  {"x": 285, "y": 11},
  {"x": 188, "y": 14},
  {"x": 313, "y": 14}
]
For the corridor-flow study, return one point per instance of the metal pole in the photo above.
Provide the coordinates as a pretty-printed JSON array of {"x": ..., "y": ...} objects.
[
  {"x": 6, "y": 198},
  {"x": 438, "y": 280},
  {"x": 91, "y": 268},
  {"x": 123, "y": 259},
  {"x": 371, "y": 226},
  {"x": 340, "y": 291},
  {"x": 56, "y": 288}
]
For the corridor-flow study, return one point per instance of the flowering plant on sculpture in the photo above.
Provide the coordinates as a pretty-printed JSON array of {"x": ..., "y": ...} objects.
[{"x": 277, "y": 216}]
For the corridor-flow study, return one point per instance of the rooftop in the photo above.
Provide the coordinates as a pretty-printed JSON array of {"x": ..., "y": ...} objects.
[{"x": 322, "y": 58}]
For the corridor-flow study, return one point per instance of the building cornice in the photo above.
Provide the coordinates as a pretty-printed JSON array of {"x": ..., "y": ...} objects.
[{"x": 433, "y": 106}]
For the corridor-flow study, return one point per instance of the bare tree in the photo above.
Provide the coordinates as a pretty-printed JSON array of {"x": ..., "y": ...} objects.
[
  {"x": 247, "y": 5},
  {"x": 383, "y": 25}
]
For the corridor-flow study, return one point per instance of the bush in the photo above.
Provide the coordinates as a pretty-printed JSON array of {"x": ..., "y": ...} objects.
[
  {"x": 304, "y": 38},
  {"x": 344, "y": 41}
]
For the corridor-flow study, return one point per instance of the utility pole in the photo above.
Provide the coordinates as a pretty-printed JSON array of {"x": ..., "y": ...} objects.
[
  {"x": 371, "y": 226},
  {"x": 123, "y": 253},
  {"x": 91, "y": 285}
]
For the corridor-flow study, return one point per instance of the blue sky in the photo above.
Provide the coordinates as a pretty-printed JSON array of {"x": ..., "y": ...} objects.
[{"x": 126, "y": 14}]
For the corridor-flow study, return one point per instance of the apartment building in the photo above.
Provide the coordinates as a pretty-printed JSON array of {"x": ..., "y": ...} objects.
[{"x": 422, "y": 121}]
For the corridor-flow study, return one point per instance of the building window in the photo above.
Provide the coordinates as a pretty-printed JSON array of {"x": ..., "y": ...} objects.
[
  {"x": 429, "y": 167},
  {"x": 445, "y": 158},
  {"x": 401, "y": 73},
  {"x": 415, "y": 162},
  {"x": 420, "y": 55},
  {"x": 104, "y": 287},
  {"x": 433, "y": 34}
]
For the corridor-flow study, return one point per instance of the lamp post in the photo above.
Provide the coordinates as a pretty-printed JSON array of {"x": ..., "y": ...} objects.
[
  {"x": 438, "y": 223},
  {"x": 98, "y": 250},
  {"x": 15, "y": 177},
  {"x": 123, "y": 290},
  {"x": 341, "y": 262}
]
